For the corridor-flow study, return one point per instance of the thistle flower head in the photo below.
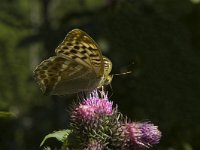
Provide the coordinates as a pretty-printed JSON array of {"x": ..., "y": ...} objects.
[
  {"x": 141, "y": 135},
  {"x": 150, "y": 133},
  {"x": 133, "y": 133},
  {"x": 98, "y": 125},
  {"x": 93, "y": 107},
  {"x": 101, "y": 104}
]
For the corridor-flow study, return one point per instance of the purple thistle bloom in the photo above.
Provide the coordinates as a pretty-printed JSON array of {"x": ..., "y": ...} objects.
[
  {"x": 93, "y": 107},
  {"x": 141, "y": 135},
  {"x": 150, "y": 133},
  {"x": 100, "y": 126},
  {"x": 133, "y": 133}
]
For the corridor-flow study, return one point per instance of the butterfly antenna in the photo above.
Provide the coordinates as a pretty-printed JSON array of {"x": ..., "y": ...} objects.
[{"x": 123, "y": 73}]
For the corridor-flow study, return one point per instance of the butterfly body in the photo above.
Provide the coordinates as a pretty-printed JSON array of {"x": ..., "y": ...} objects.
[{"x": 78, "y": 66}]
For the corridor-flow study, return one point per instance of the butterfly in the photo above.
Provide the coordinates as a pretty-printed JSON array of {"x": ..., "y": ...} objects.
[{"x": 77, "y": 66}]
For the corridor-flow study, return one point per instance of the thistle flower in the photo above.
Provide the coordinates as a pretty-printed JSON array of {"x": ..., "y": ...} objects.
[
  {"x": 97, "y": 125},
  {"x": 92, "y": 108},
  {"x": 95, "y": 118},
  {"x": 150, "y": 133},
  {"x": 141, "y": 135}
]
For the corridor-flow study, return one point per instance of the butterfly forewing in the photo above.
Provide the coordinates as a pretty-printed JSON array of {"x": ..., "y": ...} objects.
[{"x": 80, "y": 47}]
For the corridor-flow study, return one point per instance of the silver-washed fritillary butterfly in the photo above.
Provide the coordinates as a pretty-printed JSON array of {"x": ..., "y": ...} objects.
[{"x": 78, "y": 66}]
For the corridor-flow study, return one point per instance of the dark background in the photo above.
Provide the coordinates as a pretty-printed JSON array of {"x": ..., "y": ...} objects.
[{"x": 161, "y": 37}]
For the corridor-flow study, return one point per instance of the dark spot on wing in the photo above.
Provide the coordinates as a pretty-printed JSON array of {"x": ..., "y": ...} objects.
[
  {"x": 61, "y": 51},
  {"x": 94, "y": 55},
  {"x": 73, "y": 51},
  {"x": 66, "y": 53},
  {"x": 76, "y": 47},
  {"x": 54, "y": 68},
  {"x": 83, "y": 52},
  {"x": 90, "y": 48},
  {"x": 83, "y": 46},
  {"x": 69, "y": 44},
  {"x": 64, "y": 47},
  {"x": 83, "y": 57},
  {"x": 96, "y": 59},
  {"x": 74, "y": 57}
]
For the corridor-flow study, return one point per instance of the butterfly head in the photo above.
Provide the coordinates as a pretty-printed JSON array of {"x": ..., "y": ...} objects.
[
  {"x": 108, "y": 79},
  {"x": 105, "y": 80}
]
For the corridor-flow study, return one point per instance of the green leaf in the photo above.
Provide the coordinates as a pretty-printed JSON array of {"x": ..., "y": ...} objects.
[
  {"x": 47, "y": 148},
  {"x": 61, "y": 136},
  {"x": 4, "y": 114}
]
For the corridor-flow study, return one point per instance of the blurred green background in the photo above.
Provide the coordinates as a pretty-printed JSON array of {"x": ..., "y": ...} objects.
[{"x": 161, "y": 37}]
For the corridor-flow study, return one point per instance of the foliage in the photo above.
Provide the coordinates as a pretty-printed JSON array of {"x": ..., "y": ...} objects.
[{"x": 59, "y": 135}]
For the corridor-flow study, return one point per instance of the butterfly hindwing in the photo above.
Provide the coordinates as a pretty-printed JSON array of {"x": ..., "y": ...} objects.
[
  {"x": 47, "y": 73},
  {"x": 53, "y": 74}
]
